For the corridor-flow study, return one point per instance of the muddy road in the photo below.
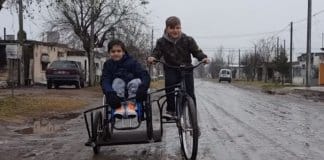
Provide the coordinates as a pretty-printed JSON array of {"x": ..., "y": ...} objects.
[{"x": 236, "y": 124}]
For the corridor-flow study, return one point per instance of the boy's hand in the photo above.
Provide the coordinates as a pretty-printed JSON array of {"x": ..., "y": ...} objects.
[
  {"x": 151, "y": 60},
  {"x": 206, "y": 61},
  {"x": 113, "y": 99},
  {"x": 141, "y": 93}
]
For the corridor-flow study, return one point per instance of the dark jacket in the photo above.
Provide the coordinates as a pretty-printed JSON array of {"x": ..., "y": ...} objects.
[
  {"x": 177, "y": 52},
  {"x": 126, "y": 69}
]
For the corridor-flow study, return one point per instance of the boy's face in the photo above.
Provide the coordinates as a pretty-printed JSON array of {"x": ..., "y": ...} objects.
[
  {"x": 116, "y": 53},
  {"x": 174, "y": 31}
]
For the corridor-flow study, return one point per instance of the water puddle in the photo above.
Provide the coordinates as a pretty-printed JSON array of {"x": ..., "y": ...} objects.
[
  {"x": 48, "y": 125},
  {"x": 41, "y": 127}
]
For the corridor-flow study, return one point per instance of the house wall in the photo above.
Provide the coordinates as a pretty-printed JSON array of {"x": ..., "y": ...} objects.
[
  {"x": 85, "y": 64},
  {"x": 55, "y": 53}
]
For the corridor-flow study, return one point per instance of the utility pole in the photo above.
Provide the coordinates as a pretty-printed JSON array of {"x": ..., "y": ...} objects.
[
  {"x": 239, "y": 63},
  {"x": 309, "y": 43},
  {"x": 4, "y": 33},
  {"x": 21, "y": 38},
  {"x": 255, "y": 62},
  {"x": 152, "y": 47},
  {"x": 291, "y": 50},
  {"x": 285, "y": 47},
  {"x": 322, "y": 42},
  {"x": 278, "y": 41},
  {"x": 91, "y": 54}
]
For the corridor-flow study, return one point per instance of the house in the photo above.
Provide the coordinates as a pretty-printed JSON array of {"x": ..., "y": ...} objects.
[
  {"x": 266, "y": 72},
  {"x": 78, "y": 55},
  {"x": 30, "y": 67},
  {"x": 299, "y": 69},
  {"x": 237, "y": 71}
]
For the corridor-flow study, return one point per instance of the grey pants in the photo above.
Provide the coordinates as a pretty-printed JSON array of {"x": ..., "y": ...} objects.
[{"x": 120, "y": 87}]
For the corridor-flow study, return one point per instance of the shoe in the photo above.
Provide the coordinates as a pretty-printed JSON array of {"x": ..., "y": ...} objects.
[
  {"x": 131, "y": 110},
  {"x": 119, "y": 112},
  {"x": 169, "y": 115}
]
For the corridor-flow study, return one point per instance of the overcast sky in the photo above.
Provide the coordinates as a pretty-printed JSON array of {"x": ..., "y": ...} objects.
[{"x": 229, "y": 23}]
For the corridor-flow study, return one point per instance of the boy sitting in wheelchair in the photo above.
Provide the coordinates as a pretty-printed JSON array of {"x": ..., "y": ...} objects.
[{"x": 123, "y": 78}]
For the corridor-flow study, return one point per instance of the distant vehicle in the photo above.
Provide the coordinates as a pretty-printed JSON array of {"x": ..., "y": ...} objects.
[
  {"x": 65, "y": 72},
  {"x": 225, "y": 75}
]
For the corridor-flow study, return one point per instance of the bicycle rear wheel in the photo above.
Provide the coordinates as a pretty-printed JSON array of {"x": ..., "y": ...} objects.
[{"x": 188, "y": 129}]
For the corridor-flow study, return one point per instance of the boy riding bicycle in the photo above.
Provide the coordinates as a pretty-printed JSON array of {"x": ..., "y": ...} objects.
[{"x": 176, "y": 48}]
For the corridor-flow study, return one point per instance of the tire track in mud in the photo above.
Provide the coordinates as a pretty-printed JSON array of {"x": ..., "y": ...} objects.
[
  {"x": 247, "y": 127},
  {"x": 212, "y": 129},
  {"x": 291, "y": 119}
]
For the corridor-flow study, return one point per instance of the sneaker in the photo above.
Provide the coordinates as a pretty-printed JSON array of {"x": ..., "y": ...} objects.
[
  {"x": 169, "y": 115},
  {"x": 131, "y": 110},
  {"x": 119, "y": 112}
]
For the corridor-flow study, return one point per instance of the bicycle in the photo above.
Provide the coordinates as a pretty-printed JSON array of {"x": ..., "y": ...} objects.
[{"x": 186, "y": 113}]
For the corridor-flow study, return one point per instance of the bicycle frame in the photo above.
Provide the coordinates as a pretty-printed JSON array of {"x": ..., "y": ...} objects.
[{"x": 180, "y": 88}]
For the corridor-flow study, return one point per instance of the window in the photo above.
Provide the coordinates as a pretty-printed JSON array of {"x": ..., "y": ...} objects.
[
  {"x": 45, "y": 60},
  {"x": 60, "y": 54}
]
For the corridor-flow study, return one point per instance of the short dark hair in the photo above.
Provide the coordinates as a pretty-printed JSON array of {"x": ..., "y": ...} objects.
[
  {"x": 172, "y": 21},
  {"x": 116, "y": 42}
]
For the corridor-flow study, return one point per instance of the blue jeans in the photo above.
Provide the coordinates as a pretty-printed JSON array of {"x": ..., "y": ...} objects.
[{"x": 126, "y": 91}]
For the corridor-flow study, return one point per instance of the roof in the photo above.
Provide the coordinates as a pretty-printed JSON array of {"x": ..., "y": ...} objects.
[{"x": 32, "y": 42}]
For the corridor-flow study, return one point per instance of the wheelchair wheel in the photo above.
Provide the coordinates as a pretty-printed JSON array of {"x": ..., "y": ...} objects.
[
  {"x": 149, "y": 121},
  {"x": 188, "y": 129},
  {"x": 108, "y": 124},
  {"x": 97, "y": 131}
]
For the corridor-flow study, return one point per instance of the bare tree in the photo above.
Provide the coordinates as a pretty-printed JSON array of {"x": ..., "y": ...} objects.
[
  {"x": 217, "y": 63},
  {"x": 265, "y": 49},
  {"x": 230, "y": 57},
  {"x": 200, "y": 72},
  {"x": 73, "y": 18}
]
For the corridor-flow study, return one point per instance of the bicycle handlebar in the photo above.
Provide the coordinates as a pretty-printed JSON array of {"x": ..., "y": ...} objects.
[{"x": 181, "y": 66}]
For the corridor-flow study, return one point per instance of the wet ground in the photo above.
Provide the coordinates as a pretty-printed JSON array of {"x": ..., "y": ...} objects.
[{"x": 235, "y": 124}]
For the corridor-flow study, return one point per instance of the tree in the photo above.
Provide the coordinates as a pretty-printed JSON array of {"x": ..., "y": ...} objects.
[
  {"x": 1, "y": 3},
  {"x": 281, "y": 63},
  {"x": 217, "y": 63},
  {"x": 74, "y": 18},
  {"x": 265, "y": 49},
  {"x": 200, "y": 72}
]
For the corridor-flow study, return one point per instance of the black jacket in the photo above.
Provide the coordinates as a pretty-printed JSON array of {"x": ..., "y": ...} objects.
[
  {"x": 178, "y": 52},
  {"x": 126, "y": 69}
]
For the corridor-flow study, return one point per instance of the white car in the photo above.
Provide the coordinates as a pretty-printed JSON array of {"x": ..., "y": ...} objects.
[{"x": 225, "y": 75}]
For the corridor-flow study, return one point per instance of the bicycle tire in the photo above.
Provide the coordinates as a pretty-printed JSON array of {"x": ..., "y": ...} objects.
[
  {"x": 149, "y": 120},
  {"x": 96, "y": 133},
  {"x": 188, "y": 106}
]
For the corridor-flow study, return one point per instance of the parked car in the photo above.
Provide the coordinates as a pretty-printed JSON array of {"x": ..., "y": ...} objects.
[
  {"x": 65, "y": 72},
  {"x": 225, "y": 75}
]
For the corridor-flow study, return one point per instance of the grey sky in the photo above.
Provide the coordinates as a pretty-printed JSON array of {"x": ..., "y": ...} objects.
[{"x": 214, "y": 22}]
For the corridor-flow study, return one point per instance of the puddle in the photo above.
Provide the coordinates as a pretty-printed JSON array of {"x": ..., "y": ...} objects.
[
  {"x": 41, "y": 127},
  {"x": 47, "y": 126}
]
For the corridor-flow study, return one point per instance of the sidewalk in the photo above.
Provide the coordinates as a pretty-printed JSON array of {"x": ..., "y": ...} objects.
[{"x": 314, "y": 89}]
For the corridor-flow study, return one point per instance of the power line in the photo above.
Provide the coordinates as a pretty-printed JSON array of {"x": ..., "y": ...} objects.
[
  {"x": 243, "y": 35},
  {"x": 305, "y": 19},
  {"x": 275, "y": 33}
]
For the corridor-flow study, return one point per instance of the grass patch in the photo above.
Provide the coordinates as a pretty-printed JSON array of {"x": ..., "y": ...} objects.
[
  {"x": 25, "y": 105},
  {"x": 263, "y": 85}
]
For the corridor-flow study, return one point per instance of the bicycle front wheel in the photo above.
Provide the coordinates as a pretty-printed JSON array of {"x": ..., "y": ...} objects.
[{"x": 188, "y": 129}]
